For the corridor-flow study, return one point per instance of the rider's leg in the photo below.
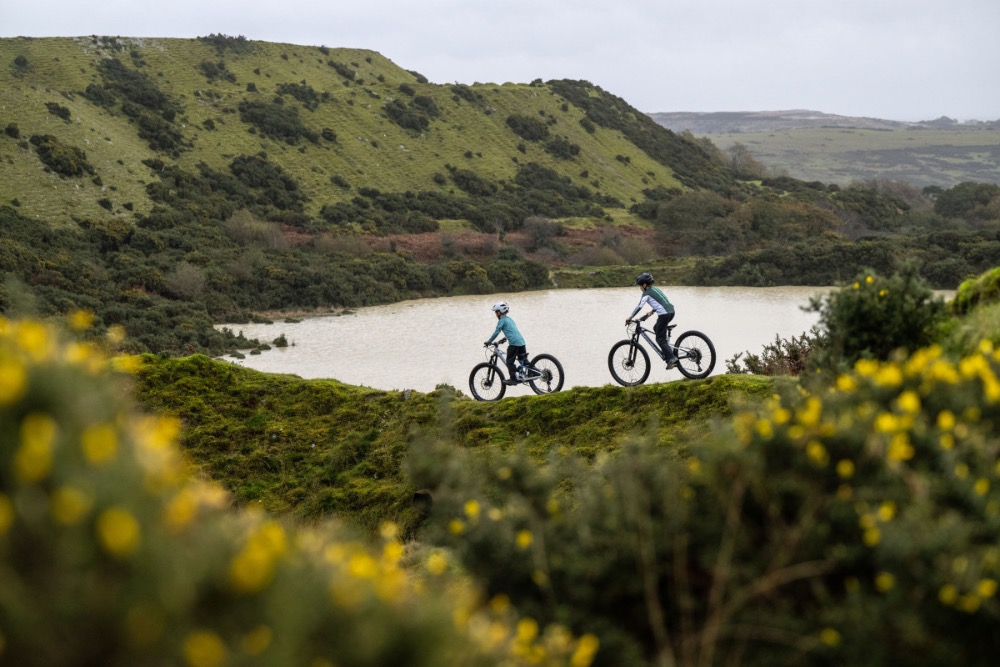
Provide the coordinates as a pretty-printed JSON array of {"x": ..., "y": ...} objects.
[
  {"x": 660, "y": 332},
  {"x": 514, "y": 352}
]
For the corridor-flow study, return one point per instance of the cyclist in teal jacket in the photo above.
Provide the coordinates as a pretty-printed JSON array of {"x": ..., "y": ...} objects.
[
  {"x": 516, "y": 348},
  {"x": 658, "y": 301}
]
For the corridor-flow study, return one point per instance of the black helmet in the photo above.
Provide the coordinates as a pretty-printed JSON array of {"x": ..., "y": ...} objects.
[{"x": 644, "y": 279}]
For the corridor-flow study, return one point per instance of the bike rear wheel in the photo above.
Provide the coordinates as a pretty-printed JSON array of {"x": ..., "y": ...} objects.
[
  {"x": 551, "y": 372},
  {"x": 486, "y": 382},
  {"x": 695, "y": 354},
  {"x": 628, "y": 363}
]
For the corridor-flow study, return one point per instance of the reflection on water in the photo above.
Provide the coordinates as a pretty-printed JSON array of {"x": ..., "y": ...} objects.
[{"x": 420, "y": 344}]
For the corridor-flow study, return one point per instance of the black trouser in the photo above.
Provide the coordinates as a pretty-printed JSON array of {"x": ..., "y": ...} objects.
[
  {"x": 660, "y": 331},
  {"x": 515, "y": 352}
]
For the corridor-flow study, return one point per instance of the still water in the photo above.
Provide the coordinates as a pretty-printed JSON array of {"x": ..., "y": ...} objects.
[{"x": 422, "y": 343}]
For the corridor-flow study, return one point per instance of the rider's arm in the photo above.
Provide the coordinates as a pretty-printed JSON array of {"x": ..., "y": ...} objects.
[
  {"x": 495, "y": 332},
  {"x": 642, "y": 302}
]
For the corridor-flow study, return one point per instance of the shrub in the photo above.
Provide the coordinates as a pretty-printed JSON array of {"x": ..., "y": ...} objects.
[
  {"x": 855, "y": 526},
  {"x": 276, "y": 121},
  {"x": 214, "y": 71},
  {"x": 60, "y": 158},
  {"x": 59, "y": 110},
  {"x": 12, "y": 131},
  {"x": 983, "y": 289},
  {"x": 528, "y": 127},
  {"x": 785, "y": 356},
  {"x": 115, "y": 551},
  {"x": 222, "y": 43},
  {"x": 562, "y": 148},
  {"x": 873, "y": 317}
]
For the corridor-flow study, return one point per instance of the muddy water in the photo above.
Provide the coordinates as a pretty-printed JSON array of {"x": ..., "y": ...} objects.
[{"x": 420, "y": 344}]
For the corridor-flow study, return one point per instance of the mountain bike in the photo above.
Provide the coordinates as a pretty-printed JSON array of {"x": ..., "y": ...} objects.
[
  {"x": 544, "y": 374},
  {"x": 628, "y": 360}
]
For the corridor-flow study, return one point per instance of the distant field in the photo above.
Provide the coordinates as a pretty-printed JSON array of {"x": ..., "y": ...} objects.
[{"x": 921, "y": 157}]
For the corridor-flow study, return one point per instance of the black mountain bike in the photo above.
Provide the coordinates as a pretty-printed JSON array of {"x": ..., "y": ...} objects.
[
  {"x": 628, "y": 360},
  {"x": 544, "y": 374}
]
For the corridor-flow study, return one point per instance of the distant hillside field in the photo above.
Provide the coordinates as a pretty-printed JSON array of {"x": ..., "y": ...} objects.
[{"x": 814, "y": 146}]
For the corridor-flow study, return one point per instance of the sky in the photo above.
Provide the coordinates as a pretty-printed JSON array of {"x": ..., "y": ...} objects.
[{"x": 894, "y": 59}]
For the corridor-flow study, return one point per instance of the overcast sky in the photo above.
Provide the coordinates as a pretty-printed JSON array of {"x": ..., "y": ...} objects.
[{"x": 893, "y": 59}]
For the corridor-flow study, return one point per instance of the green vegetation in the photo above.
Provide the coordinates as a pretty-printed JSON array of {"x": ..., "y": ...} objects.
[
  {"x": 113, "y": 552},
  {"x": 197, "y": 181},
  {"x": 851, "y": 518}
]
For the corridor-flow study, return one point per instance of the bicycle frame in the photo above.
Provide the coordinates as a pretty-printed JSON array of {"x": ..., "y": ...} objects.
[
  {"x": 645, "y": 333},
  {"x": 529, "y": 371}
]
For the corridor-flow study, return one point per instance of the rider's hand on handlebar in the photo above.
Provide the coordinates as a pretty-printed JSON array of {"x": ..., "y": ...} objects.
[{"x": 486, "y": 344}]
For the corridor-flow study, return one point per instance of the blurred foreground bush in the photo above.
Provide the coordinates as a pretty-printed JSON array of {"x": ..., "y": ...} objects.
[
  {"x": 112, "y": 553},
  {"x": 857, "y": 525}
]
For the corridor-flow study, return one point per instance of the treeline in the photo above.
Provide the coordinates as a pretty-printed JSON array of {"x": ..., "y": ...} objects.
[{"x": 797, "y": 233}]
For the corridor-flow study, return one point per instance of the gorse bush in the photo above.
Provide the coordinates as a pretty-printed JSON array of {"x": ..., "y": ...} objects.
[
  {"x": 112, "y": 553},
  {"x": 856, "y": 525},
  {"x": 62, "y": 159},
  {"x": 981, "y": 290},
  {"x": 785, "y": 356},
  {"x": 873, "y": 317}
]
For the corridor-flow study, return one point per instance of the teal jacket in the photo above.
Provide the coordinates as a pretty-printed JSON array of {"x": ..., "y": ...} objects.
[{"x": 509, "y": 329}]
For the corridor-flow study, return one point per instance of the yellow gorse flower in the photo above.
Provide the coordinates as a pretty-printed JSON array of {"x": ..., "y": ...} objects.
[
  {"x": 204, "y": 649},
  {"x": 13, "y": 379},
  {"x": 33, "y": 459},
  {"x": 99, "y": 443},
  {"x": 69, "y": 505},
  {"x": 253, "y": 567},
  {"x": 118, "y": 531},
  {"x": 472, "y": 509},
  {"x": 257, "y": 640},
  {"x": 586, "y": 649}
]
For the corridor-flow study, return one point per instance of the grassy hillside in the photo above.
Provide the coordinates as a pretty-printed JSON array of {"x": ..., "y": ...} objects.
[
  {"x": 344, "y": 91},
  {"x": 320, "y": 447}
]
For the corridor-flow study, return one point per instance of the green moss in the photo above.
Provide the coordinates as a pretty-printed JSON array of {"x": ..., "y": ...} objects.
[{"x": 314, "y": 448}]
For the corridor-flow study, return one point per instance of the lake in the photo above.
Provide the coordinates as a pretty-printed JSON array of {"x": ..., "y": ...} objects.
[{"x": 422, "y": 343}]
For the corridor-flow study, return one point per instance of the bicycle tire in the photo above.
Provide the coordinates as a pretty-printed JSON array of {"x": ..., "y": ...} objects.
[
  {"x": 486, "y": 382},
  {"x": 628, "y": 367},
  {"x": 695, "y": 355},
  {"x": 552, "y": 374}
]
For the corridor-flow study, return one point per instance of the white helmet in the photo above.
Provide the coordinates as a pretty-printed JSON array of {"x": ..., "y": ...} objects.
[{"x": 500, "y": 307}]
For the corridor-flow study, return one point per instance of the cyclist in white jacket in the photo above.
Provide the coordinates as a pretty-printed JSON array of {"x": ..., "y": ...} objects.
[{"x": 658, "y": 301}]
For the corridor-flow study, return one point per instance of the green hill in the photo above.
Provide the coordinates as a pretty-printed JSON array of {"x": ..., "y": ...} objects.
[{"x": 318, "y": 113}]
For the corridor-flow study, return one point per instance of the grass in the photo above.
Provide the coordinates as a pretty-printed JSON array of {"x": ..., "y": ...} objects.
[{"x": 314, "y": 448}]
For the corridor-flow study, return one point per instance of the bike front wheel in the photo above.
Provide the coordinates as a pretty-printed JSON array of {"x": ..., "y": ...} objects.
[
  {"x": 486, "y": 382},
  {"x": 628, "y": 363},
  {"x": 550, "y": 373},
  {"x": 695, "y": 354}
]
